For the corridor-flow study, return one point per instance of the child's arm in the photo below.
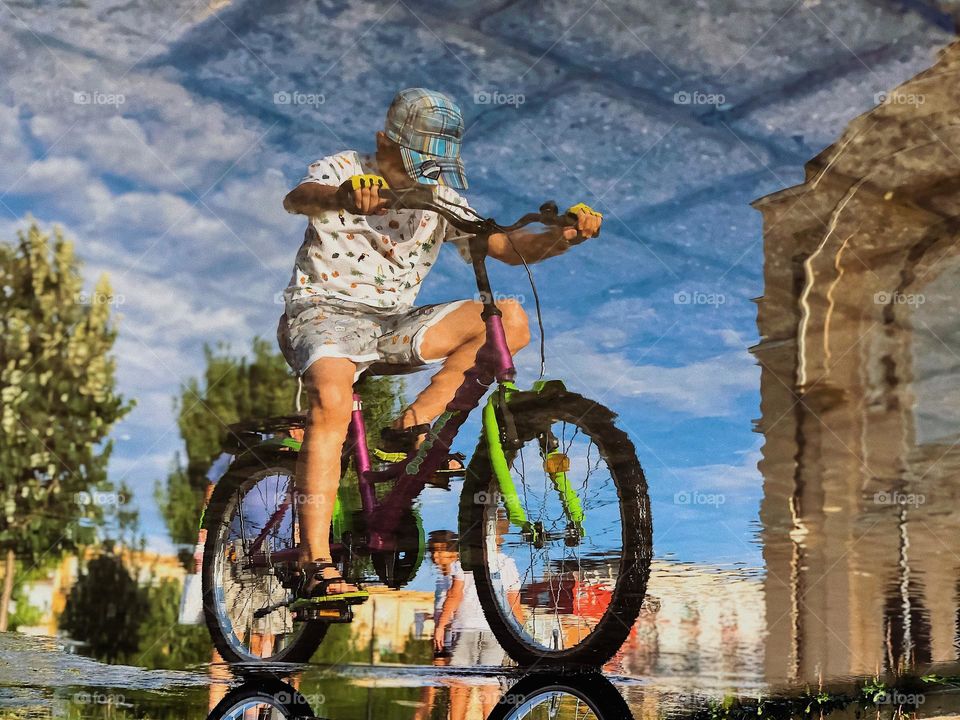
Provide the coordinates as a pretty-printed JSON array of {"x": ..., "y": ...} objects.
[
  {"x": 450, "y": 605},
  {"x": 311, "y": 199}
]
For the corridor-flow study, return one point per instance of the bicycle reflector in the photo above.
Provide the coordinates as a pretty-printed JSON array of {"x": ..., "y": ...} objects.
[{"x": 556, "y": 462}]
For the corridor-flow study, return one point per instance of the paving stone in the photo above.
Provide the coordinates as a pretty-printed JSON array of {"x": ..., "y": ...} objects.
[
  {"x": 338, "y": 83},
  {"x": 809, "y": 121},
  {"x": 587, "y": 145},
  {"x": 730, "y": 47},
  {"x": 127, "y": 32}
]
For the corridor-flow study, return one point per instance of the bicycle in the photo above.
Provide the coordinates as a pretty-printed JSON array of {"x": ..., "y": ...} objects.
[{"x": 582, "y": 538}]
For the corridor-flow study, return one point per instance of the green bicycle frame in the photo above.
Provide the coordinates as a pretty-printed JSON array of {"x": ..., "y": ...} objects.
[{"x": 572, "y": 507}]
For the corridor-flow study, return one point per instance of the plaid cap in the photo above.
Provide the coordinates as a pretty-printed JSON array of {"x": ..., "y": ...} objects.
[{"x": 428, "y": 127}]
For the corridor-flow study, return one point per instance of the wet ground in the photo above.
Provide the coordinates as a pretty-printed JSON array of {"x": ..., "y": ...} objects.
[{"x": 39, "y": 679}]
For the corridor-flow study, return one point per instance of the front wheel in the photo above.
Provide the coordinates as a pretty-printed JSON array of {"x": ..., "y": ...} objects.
[{"x": 561, "y": 553}]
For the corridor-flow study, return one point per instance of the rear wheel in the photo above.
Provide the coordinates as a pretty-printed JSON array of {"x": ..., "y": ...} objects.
[
  {"x": 264, "y": 699},
  {"x": 237, "y": 592},
  {"x": 565, "y": 586}
]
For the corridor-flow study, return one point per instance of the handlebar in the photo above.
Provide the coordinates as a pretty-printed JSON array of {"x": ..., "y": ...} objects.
[{"x": 423, "y": 198}]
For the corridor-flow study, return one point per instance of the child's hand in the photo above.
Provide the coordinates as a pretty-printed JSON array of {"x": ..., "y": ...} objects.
[
  {"x": 438, "y": 633},
  {"x": 588, "y": 222},
  {"x": 361, "y": 194}
]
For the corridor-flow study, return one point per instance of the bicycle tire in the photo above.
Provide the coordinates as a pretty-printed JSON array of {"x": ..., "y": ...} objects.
[
  {"x": 224, "y": 492},
  {"x": 610, "y": 632},
  {"x": 276, "y": 694},
  {"x": 594, "y": 690}
]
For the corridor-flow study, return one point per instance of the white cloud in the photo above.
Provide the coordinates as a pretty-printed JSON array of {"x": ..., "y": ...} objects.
[
  {"x": 723, "y": 477},
  {"x": 706, "y": 388}
]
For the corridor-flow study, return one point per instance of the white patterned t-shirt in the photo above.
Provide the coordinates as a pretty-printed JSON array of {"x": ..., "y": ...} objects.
[{"x": 377, "y": 260}]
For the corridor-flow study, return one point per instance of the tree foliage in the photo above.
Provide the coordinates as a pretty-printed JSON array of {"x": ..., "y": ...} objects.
[
  {"x": 163, "y": 642},
  {"x": 104, "y": 609},
  {"x": 59, "y": 398}
]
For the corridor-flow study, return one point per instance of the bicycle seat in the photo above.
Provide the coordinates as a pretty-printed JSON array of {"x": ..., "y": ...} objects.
[
  {"x": 268, "y": 425},
  {"x": 382, "y": 368}
]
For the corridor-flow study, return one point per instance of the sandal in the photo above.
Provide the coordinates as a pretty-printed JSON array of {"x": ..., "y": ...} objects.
[{"x": 316, "y": 586}]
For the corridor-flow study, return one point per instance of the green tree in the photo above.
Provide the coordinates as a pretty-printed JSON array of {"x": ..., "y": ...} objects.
[
  {"x": 232, "y": 388},
  {"x": 164, "y": 643},
  {"x": 59, "y": 400},
  {"x": 104, "y": 609}
]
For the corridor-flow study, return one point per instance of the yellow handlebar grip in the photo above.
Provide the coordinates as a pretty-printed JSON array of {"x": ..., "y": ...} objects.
[
  {"x": 358, "y": 182},
  {"x": 576, "y": 209}
]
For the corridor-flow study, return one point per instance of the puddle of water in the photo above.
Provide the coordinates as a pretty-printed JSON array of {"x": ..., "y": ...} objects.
[{"x": 52, "y": 683}]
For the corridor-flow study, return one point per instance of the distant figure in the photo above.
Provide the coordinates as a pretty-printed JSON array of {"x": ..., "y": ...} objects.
[
  {"x": 471, "y": 640},
  {"x": 442, "y": 545}
]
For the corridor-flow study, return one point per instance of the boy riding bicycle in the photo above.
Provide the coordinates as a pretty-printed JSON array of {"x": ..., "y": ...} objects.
[{"x": 350, "y": 299}]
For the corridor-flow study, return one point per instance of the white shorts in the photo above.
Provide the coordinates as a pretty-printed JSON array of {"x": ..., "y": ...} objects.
[{"x": 364, "y": 334}]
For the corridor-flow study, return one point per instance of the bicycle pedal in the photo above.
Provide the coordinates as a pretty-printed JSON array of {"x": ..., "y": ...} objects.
[
  {"x": 441, "y": 479},
  {"x": 331, "y": 611}
]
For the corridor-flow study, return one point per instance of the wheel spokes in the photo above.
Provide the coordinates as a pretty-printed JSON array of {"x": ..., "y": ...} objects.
[
  {"x": 568, "y": 562},
  {"x": 252, "y": 585}
]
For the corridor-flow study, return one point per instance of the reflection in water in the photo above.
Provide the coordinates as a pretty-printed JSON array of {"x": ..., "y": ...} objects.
[
  {"x": 860, "y": 358},
  {"x": 534, "y": 697}
]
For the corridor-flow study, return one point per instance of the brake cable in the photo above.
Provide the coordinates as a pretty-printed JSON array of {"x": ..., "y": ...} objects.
[{"x": 526, "y": 267}]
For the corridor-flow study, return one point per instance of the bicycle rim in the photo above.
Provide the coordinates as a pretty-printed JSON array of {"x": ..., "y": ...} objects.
[
  {"x": 563, "y": 560},
  {"x": 241, "y": 588}
]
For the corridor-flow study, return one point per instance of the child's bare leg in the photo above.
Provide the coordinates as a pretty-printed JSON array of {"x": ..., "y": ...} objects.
[
  {"x": 329, "y": 386},
  {"x": 457, "y": 337}
]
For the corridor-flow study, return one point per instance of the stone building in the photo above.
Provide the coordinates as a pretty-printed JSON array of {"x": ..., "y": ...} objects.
[{"x": 860, "y": 388}]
